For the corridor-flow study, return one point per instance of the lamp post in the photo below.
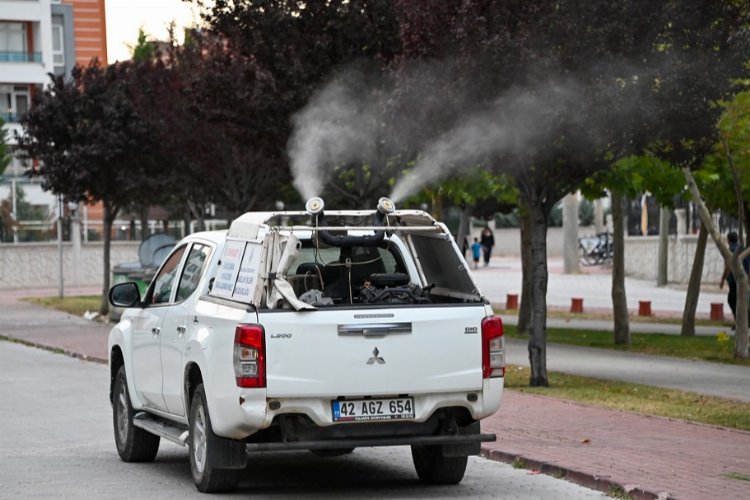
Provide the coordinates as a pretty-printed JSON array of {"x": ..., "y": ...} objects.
[{"x": 60, "y": 286}]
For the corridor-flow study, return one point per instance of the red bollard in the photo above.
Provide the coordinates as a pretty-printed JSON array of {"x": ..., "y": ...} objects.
[
  {"x": 644, "y": 308},
  {"x": 511, "y": 301},
  {"x": 717, "y": 311},
  {"x": 576, "y": 305}
]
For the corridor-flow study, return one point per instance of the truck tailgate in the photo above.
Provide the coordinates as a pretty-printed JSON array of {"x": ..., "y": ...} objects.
[{"x": 370, "y": 352}]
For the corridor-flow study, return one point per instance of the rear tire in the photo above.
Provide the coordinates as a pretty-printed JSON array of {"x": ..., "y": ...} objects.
[
  {"x": 435, "y": 468},
  {"x": 205, "y": 447},
  {"x": 133, "y": 443}
]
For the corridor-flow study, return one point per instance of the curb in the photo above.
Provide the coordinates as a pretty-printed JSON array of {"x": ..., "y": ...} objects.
[
  {"x": 56, "y": 350},
  {"x": 585, "y": 479}
]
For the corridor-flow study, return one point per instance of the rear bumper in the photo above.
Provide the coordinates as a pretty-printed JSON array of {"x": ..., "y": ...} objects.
[{"x": 464, "y": 441}]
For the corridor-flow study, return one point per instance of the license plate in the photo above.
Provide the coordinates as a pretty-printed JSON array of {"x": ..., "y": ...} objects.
[{"x": 359, "y": 410}]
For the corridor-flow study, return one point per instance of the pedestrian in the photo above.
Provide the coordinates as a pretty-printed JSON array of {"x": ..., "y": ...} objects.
[
  {"x": 727, "y": 275},
  {"x": 487, "y": 241},
  {"x": 476, "y": 250}
]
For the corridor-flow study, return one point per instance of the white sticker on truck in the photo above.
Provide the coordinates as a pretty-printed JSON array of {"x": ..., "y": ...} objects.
[
  {"x": 230, "y": 268},
  {"x": 247, "y": 279}
]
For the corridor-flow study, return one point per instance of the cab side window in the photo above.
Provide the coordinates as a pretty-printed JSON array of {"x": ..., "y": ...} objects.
[
  {"x": 192, "y": 272},
  {"x": 164, "y": 282}
]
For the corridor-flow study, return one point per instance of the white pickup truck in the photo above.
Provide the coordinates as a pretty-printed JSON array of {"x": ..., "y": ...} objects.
[{"x": 316, "y": 330}]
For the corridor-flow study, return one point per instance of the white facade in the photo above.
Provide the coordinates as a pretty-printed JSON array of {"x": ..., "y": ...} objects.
[{"x": 29, "y": 51}]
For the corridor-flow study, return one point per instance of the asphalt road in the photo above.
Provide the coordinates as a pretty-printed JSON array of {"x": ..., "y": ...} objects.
[{"x": 56, "y": 435}]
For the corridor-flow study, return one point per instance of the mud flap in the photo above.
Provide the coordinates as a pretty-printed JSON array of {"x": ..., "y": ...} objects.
[{"x": 229, "y": 454}]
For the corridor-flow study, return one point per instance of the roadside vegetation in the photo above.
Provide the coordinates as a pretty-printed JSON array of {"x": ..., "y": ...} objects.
[
  {"x": 72, "y": 305},
  {"x": 717, "y": 348},
  {"x": 636, "y": 398}
]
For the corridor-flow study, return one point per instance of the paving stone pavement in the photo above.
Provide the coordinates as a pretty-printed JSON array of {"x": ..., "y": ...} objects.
[{"x": 600, "y": 448}]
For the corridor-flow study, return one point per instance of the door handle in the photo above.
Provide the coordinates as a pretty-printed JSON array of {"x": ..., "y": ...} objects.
[
  {"x": 156, "y": 330},
  {"x": 181, "y": 329}
]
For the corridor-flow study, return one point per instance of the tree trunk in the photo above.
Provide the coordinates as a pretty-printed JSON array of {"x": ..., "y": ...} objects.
[
  {"x": 538, "y": 339},
  {"x": 619, "y": 299},
  {"x": 733, "y": 260},
  {"x": 571, "y": 254},
  {"x": 109, "y": 218},
  {"x": 527, "y": 280},
  {"x": 741, "y": 333},
  {"x": 463, "y": 230},
  {"x": 145, "y": 232},
  {"x": 694, "y": 286},
  {"x": 663, "y": 257}
]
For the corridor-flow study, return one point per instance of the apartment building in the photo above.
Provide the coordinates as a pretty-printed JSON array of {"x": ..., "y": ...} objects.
[{"x": 38, "y": 37}]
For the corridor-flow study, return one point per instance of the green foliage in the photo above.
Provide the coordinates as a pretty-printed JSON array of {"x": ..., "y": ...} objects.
[
  {"x": 143, "y": 50},
  {"x": 715, "y": 178},
  {"x": 633, "y": 175}
]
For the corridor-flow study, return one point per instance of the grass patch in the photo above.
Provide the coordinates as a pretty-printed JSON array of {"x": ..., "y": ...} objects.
[
  {"x": 618, "y": 492},
  {"x": 636, "y": 398},
  {"x": 738, "y": 476},
  {"x": 73, "y": 305},
  {"x": 518, "y": 463},
  {"x": 717, "y": 348}
]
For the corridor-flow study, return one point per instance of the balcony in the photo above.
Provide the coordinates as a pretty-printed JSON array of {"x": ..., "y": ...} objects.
[
  {"x": 11, "y": 117},
  {"x": 16, "y": 57}
]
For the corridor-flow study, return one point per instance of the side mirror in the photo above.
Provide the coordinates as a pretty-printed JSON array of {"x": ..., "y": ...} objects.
[{"x": 124, "y": 295}]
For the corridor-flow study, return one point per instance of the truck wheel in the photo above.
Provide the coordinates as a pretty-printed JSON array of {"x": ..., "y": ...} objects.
[
  {"x": 206, "y": 447},
  {"x": 435, "y": 468},
  {"x": 133, "y": 443}
]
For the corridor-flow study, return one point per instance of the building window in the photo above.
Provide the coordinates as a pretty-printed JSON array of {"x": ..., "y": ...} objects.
[
  {"x": 14, "y": 102},
  {"x": 58, "y": 45},
  {"x": 13, "y": 42}
]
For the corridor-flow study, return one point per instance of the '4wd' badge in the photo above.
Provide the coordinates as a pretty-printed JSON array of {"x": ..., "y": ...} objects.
[{"x": 471, "y": 329}]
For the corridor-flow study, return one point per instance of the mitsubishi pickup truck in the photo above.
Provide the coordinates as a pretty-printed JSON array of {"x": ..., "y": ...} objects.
[{"x": 310, "y": 330}]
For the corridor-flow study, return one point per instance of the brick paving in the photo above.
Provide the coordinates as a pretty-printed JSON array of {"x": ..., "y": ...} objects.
[
  {"x": 646, "y": 455},
  {"x": 599, "y": 448}
]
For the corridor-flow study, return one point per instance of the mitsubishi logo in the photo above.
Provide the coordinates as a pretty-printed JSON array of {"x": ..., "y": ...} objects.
[{"x": 375, "y": 357}]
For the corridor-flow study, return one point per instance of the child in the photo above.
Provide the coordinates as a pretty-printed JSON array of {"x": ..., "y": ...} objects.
[{"x": 476, "y": 251}]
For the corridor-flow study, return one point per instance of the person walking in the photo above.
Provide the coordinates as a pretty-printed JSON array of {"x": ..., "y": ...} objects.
[
  {"x": 476, "y": 250},
  {"x": 488, "y": 241},
  {"x": 727, "y": 275}
]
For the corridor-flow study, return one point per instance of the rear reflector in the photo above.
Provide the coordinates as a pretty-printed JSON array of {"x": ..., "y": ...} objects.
[
  {"x": 250, "y": 356},
  {"x": 493, "y": 347}
]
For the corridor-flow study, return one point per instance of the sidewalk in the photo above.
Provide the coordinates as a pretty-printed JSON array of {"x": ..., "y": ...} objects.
[
  {"x": 595, "y": 447},
  {"x": 593, "y": 285}
]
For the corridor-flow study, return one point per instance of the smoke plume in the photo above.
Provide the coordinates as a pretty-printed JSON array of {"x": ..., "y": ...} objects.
[{"x": 359, "y": 114}]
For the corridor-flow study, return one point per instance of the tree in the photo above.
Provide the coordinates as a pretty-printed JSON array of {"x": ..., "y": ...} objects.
[
  {"x": 143, "y": 50},
  {"x": 626, "y": 178},
  {"x": 573, "y": 95},
  {"x": 91, "y": 144},
  {"x": 724, "y": 182},
  {"x": 292, "y": 48}
]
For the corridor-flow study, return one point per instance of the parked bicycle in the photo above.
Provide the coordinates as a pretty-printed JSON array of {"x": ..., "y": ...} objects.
[{"x": 596, "y": 250}]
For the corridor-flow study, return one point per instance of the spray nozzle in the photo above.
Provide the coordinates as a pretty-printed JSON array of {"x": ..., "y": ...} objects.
[
  {"x": 386, "y": 206},
  {"x": 314, "y": 205}
]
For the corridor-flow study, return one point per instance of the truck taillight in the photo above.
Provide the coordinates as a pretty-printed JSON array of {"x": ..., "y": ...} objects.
[
  {"x": 493, "y": 347},
  {"x": 250, "y": 356}
]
